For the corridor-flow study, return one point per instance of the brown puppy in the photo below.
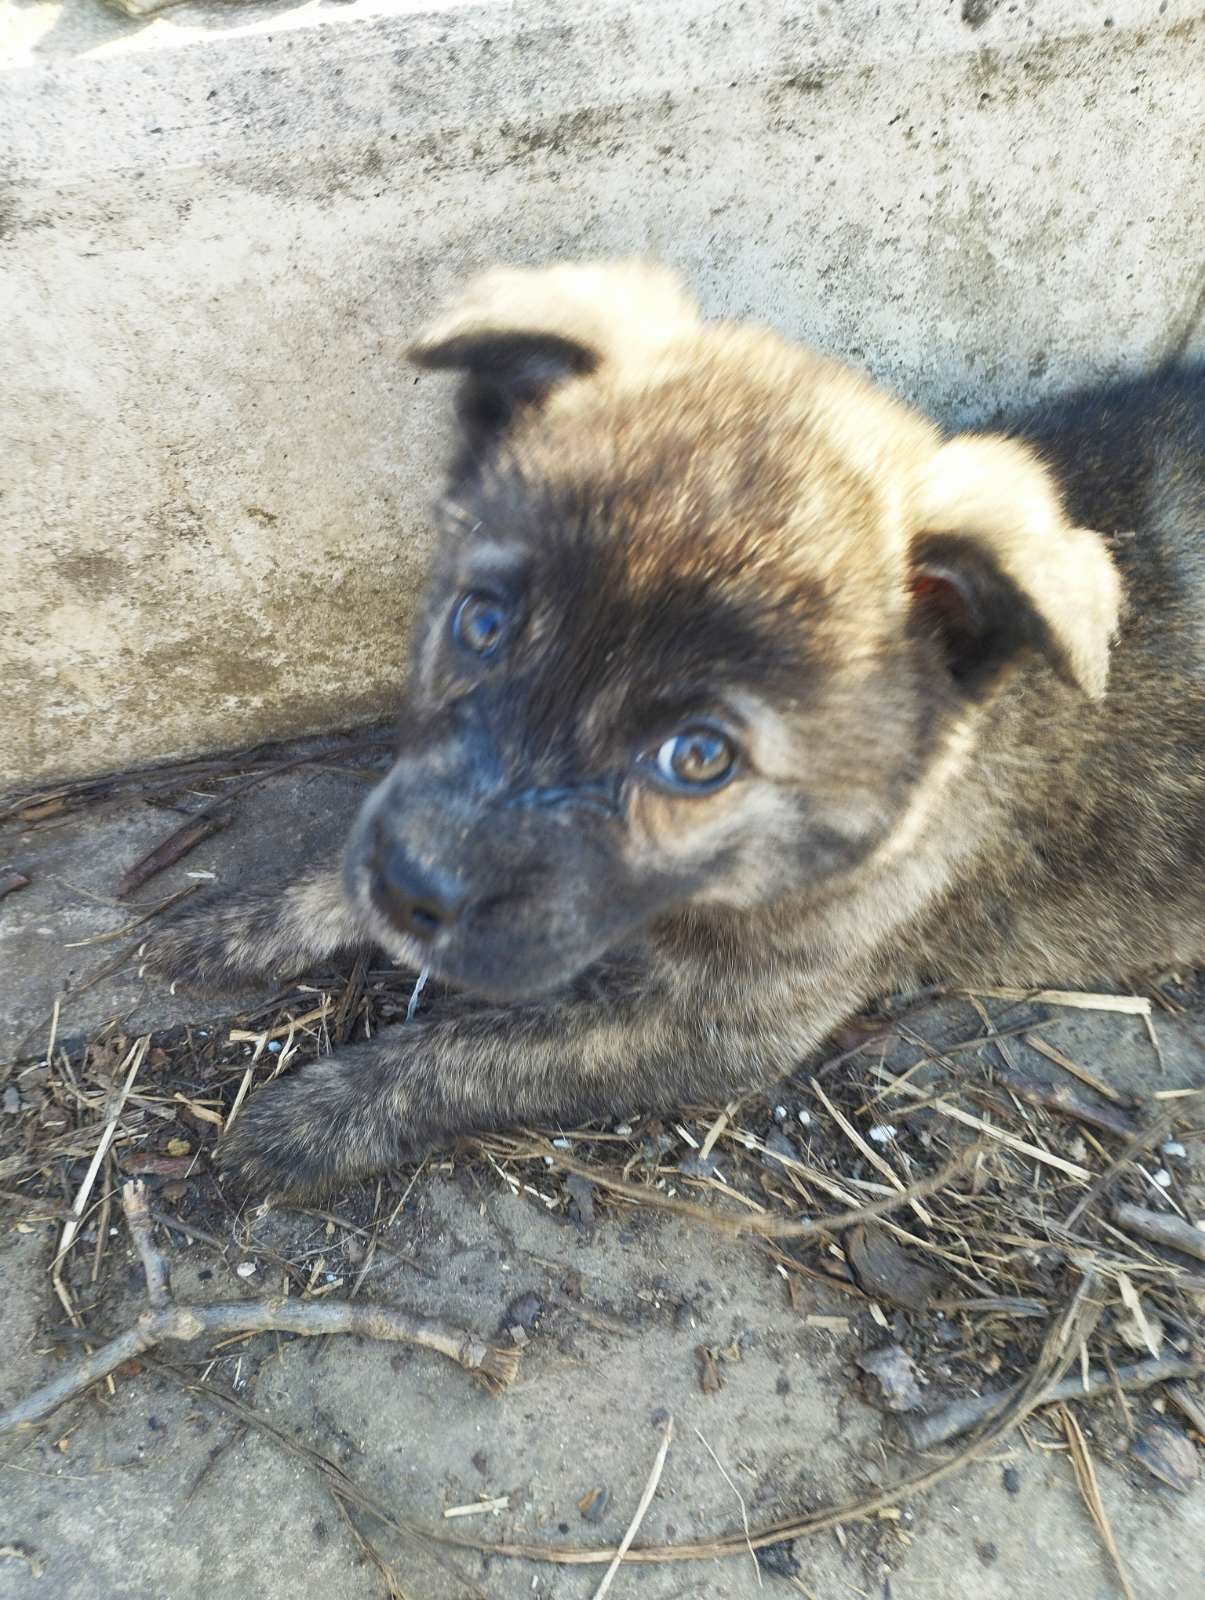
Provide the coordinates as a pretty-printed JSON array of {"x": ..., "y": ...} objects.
[{"x": 740, "y": 696}]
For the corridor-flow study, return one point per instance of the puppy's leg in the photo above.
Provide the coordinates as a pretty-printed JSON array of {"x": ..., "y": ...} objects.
[
  {"x": 241, "y": 937},
  {"x": 476, "y": 1068}
]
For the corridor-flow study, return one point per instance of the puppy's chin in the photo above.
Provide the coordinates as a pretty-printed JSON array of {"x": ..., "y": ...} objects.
[{"x": 501, "y": 985}]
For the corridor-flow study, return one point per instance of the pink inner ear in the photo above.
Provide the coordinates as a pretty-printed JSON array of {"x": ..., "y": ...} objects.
[{"x": 942, "y": 598}]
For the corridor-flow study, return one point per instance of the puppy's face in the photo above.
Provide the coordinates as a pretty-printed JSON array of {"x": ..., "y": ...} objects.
[{"x": 683, "y": 642}]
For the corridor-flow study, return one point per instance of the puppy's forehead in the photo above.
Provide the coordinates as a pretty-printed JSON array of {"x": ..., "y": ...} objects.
[{"x": 774, "y": 474}]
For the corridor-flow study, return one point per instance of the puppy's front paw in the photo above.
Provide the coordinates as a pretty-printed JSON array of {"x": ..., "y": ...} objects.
[
  {"x": 319, "y": 1128},
  {"x": 220, "y": 945},
  {"x": 249, "y": 937}
]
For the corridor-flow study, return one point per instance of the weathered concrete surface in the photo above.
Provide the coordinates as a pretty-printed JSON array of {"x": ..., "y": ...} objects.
[
  {"x": 218, "y": 228},
  {"x": 109, "y": 1518}
]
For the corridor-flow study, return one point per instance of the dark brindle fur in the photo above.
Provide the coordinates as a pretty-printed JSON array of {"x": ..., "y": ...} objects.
[{"x": 967, "y": 730}]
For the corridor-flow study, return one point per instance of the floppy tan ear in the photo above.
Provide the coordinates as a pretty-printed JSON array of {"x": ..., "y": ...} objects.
[
  {"x": 997, "y": 565},
  {"x": 519, "y": 333},
  {"x": 614, "y": 311}
]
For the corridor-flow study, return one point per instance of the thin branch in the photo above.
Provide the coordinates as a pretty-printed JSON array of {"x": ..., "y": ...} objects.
[
  {"x": 154, "y": 1267},
  {"x": 1089, "y": 1488},
  {"x": 166, "y": 1321},
  {"x": 962, "y": 1415},
  {"x": 1143, "y": 1140},
  {"x": 740, "y": 1499},
  {"x": 168, "y": 851},
  {"x": 1161, "y": 1229},
  {"x": 646, "y": 1499},
  {"x": 1064, "y": 1102},
  {"x": 493, "y": 1367}
]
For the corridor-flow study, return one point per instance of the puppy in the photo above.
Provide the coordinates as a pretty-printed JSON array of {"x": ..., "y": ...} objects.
[{"x": 740, "y": 695}]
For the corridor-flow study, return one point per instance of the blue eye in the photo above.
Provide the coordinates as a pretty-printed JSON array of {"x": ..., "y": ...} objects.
[
  {"x": 479, "y": 623},
  {"x": 699, "y": 758}
]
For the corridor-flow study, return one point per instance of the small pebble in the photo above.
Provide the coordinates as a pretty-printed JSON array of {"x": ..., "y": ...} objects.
[
  {"x": 274, "y": 1046},
  {"x": 1163, "y": 1178},
  {"x": 779, "y": 1559},
  {"x": 1173, "y": 1147},
  {"x": 883, "y": 1133},
  {"x": 524, "y": 1311},
  {"x": 780, "y": 1113},
  {"x": 593, "y": 1504},
  {"x": 1011, "y": 1479},
  {"x": 245, "y": 1269},
  {"x": 896, "y": 1377},
  {"x": 805, "y": 1118},
  {"x": 560, "y": 1144},
  {"x": 623, "y": 1129},
  {"x": 581, "y": 1200},
  {"x": 12, "y": 1100}
]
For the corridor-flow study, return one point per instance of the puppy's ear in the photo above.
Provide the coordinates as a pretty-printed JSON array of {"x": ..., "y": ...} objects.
[
  {"x": 997, "y": 569},
  {"x": 519, "y": 333}
]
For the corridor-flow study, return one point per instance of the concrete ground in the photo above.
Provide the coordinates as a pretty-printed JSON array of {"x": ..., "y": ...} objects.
[{"x": 152, "y": 1493}]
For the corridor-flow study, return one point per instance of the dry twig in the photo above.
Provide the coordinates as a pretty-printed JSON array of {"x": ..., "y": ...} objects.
[
  {"x": 1160, "y": 1228},
  {"x": 1085, "y": 1476},
  {"x": 170, "y": 850},
  {"x": 963, "y": 1415},
  {"x": 1144, "y": 1139},
  {"x": 493, "y": 1367},
  {"x": 1052, "y": 1053},
  {"x": 646, "y": 1499},
  {"x": 1064, "y": 1102},
  {"x": 1133, "y": 1005}
]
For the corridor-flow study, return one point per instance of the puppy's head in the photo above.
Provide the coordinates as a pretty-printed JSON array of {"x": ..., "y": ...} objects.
[{"x": 706, "y": 610}]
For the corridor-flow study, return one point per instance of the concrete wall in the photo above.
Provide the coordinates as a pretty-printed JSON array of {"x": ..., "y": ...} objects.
[{"x": 218, "y": 228}]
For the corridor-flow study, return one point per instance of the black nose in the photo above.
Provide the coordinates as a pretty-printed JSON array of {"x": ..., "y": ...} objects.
[{"x": 419, "y": 901}]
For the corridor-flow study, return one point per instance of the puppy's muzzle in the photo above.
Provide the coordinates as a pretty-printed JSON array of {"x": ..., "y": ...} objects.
[{"x": 420, "y": 901}]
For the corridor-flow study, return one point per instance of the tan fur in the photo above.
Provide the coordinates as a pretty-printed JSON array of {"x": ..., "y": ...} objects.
[
  {"x": 625, "y": 311},
  {"x": 998, "y": 490}
]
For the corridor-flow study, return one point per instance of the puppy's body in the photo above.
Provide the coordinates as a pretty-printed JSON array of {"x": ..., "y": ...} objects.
[
  {"x": 963, "y": 711},
  {"x": 1096, "y": 865}
]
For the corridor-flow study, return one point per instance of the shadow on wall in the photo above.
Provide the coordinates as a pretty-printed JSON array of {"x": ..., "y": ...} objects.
[{"x": 79, "y": 26}]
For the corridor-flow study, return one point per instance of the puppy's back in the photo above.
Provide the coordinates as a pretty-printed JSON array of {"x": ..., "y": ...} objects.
[{"x": 1130, "y": 459}]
